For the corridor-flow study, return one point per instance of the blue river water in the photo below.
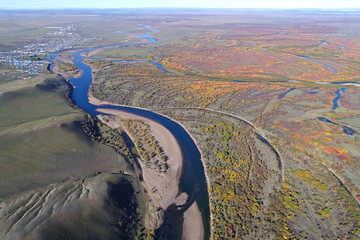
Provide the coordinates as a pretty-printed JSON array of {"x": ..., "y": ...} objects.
[
  {"x": 326, "y": 65},
  {"x": 347, "y": 130},
  {"x": 193, "y": 180},
  {"x": 313, "y": 91},
  {"x": 337, "y": 98},
  {"x": 285, "y": 93}
]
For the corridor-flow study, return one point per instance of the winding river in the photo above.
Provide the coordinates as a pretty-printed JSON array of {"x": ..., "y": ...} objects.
[
  {"x": 285, "y": 93},
  {"x": 192, "y": 180},
  {"x": 337, "y": 98},
  {"x": 324, "y": 64},
  {"x": 347, "y": 130}
]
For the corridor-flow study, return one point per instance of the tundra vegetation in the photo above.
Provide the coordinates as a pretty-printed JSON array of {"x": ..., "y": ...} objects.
[{"x": 280, "y": 148}]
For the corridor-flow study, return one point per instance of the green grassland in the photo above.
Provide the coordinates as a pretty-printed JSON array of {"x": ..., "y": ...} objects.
[
  {"x": 72, "y": 184},
  {"x": 107, "y": 30},
  {"x": 8, "y": 73},
  {"x": 21, "y": 83},
  {"x": 21, "y": 28},
  {"x": 42, "y": 141}
]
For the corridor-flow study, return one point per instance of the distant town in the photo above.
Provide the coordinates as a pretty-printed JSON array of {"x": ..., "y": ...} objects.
[{"x": 32, "y": 58}]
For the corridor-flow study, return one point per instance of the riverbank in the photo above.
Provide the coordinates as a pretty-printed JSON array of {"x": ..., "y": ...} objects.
[
  {"x": 161, "y": 188},
  {"x": 191, "y": 227},
  {"x": 66, "y": 75},
  {"x": 190, "y": 180}
]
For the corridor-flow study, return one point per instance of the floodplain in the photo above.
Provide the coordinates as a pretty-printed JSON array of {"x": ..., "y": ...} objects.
[{"x": 271, "y": 99}]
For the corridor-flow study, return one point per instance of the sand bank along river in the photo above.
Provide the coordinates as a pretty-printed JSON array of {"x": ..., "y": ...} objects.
[{"x": 192, "y": 179}]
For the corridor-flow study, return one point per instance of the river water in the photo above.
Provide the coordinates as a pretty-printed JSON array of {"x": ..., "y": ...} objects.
[
  {"x": 347, "y": 130},
  {"x": 326, "y": 65},
  {"x": 193, "y": 180},
  {"x": 337, "y": 98}
]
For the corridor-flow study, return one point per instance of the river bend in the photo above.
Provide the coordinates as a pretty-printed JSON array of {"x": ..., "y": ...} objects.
[{"x": 193, "y": 180}]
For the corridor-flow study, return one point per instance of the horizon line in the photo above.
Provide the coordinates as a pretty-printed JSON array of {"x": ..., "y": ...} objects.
[{"x": 189, "y": 8}]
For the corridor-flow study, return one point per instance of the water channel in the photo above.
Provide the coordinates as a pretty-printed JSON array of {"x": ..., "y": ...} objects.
[{"x": 193, "y": 180}]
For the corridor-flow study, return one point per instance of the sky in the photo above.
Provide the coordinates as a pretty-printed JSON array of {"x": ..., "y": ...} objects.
[{"x": 46, "y": 4}]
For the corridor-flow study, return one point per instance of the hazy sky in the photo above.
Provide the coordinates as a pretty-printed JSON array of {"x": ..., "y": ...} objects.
[{"x": 46, "y": 4}]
